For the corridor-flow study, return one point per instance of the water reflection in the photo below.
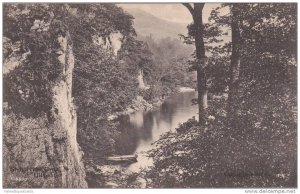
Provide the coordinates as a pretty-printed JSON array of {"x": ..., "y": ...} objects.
[{"x": 140, "y": 129}]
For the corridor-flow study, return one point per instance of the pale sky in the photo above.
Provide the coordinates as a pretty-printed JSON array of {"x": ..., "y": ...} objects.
[{"x": 174, "y": 12}]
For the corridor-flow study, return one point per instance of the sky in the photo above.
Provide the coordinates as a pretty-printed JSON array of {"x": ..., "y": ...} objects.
[{"x": 174, "y": 12}]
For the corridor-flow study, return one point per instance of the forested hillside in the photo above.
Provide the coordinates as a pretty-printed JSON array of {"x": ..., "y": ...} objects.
[{"x": 144, "y": 22}]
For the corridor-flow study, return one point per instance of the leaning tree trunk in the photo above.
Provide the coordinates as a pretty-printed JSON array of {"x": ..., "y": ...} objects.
[{"x": 234, "y": 68}]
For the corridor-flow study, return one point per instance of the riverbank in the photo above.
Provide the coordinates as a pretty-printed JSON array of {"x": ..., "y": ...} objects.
[
  {"x": 139, "y": 129},
  {"x": 140, "y": 104},
  {"x": 114, "y": 176}
]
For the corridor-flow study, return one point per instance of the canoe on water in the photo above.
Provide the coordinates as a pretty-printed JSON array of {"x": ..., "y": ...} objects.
[{"x": 123, "y": 158}]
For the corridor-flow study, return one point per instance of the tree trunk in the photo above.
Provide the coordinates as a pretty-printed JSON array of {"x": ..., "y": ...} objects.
[
  {"x": 196, "y": 13},
  {"x": 234, "y": 68},
  {"x": 200, "y": 54}
]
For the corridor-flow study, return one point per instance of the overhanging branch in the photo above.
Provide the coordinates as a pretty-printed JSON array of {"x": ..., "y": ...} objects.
[{"x": 189, "y": 7}]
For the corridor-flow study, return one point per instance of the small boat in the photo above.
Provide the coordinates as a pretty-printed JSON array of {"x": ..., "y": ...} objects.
[{"x": 123, "y": 158}]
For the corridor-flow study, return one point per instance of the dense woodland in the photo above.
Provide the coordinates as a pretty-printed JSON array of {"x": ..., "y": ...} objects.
[
  {"x": 248, "y": 137},
  {"x": 245, "y": 135}
]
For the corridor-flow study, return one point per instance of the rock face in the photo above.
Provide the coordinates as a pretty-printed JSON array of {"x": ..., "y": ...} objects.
[
  {"x": 38, "y": 153},
  {"x": 141, "y": 80},
  {"x": 111, "y": 43}
]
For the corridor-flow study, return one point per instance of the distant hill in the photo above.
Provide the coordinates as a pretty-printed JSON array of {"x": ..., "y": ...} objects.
[{"x": 145, "y": 24}]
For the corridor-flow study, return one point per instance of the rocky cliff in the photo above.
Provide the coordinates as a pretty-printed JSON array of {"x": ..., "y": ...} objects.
[{"x": 39, "y": 153}]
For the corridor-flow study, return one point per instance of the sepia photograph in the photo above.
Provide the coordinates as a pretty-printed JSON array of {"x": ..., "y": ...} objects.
[{"x": 149, "y": 95}]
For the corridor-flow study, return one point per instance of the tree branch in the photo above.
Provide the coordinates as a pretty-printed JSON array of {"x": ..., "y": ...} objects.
[{"x": 189, "y": 7}]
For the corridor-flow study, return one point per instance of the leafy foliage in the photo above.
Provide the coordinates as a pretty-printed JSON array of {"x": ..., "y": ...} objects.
[
  {"x": 102, "y": 19},
  {"x": 260, "y": 150},
  {"x": 137, "y": 54},
  {"x": 28, "y": 87},
  {"x": 103, "y": 83},
  {"x": 253, "y": 156},
  {"x": 101, "y": 88},
  {"x": 169, "y": 68}
]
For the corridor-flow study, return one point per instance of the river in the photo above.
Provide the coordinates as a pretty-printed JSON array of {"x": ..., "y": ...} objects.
[{"x": 140, "y": 129}]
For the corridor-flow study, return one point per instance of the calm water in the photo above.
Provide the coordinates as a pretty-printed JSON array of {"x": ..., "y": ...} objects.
[{"x": 140, "y": 129}]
